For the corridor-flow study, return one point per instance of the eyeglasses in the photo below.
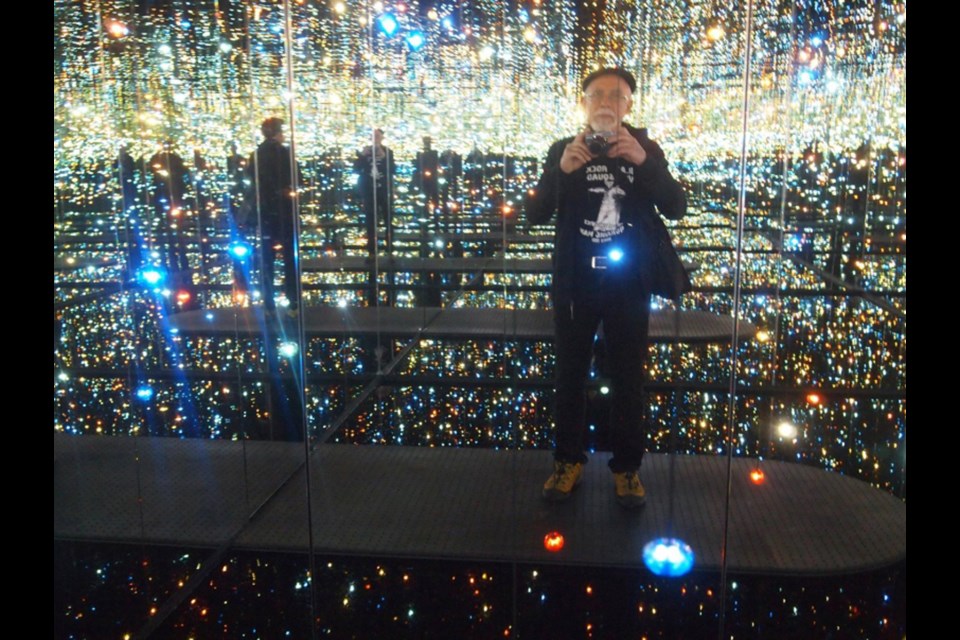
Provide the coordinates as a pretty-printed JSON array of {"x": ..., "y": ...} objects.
[{"x": 600, "y": 96}]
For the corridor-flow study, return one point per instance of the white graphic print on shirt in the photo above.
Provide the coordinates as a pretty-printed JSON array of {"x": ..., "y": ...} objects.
[{"x": 607, "y": 224}]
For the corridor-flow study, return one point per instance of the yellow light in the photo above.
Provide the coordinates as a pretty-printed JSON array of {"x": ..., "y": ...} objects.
[
  {"x": 715, "y": 31},
  {"x": 762, "y": 336},
  {"x": 813, "y": 398},
  {"x": 433, "y": 15},
  {"x": 117, "y": 29},
  {"x": 756, "y": 476},
  {"x": 529, "y": 34},
  {"x": 340, "y": 8}
]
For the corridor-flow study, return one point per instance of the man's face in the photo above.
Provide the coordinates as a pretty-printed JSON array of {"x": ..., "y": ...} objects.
[
  {"x": 377, "y": 137},
  {"x": 606, "y": 102}
]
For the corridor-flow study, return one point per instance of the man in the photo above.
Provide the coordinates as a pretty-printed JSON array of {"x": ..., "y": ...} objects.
[
  {"x": 376, "y": 170},
  {"x": 426, "y": 170},
  {"x": 272, "y": 176},
  {"x": 600, "y": 184},
  {"x": 168, "y": 173}
]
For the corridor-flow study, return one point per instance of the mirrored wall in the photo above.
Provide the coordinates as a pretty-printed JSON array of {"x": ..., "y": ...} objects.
[{"x": 292, "y": 249}]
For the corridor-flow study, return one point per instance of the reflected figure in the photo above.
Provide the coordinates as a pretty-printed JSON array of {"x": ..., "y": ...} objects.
[
  {"x": 376, "y": 169},
  {"x": 601, "y": 185},
  {"x": 426, "y": 171},
  {"x": 451, "y": 169},
  {"x": 124, "y": 171},
  {"x": 473, "y": 173},
  {"x": 270, "y": 172},
  {"x": 236, "y": 178},
  {"x": 168, "y": 175}
]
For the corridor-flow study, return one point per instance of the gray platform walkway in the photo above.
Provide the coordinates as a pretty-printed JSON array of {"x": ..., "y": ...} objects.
[
  {"x": 463, "y": 504},
  {"x": 435, "y": 322}
]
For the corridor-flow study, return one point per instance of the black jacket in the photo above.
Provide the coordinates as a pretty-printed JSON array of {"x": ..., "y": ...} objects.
[
  {"x": 652, "y": 191},
  {"x": 269, "y": 170}
]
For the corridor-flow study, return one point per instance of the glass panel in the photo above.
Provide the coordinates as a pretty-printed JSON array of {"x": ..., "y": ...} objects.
[{"x": 171, "y": 369}]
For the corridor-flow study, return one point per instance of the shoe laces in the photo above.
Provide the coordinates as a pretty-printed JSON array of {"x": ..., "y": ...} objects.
[
  {"x": 632, "y": 479},
  {"x": 565, "y": 470}
]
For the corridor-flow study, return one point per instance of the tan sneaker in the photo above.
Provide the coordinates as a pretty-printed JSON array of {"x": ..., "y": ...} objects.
[
  {"x": 566, "y": 476},
  {"x": 630, "y": 491}
]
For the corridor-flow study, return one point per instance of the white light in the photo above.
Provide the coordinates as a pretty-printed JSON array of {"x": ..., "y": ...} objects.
[
  {"x": 226, "y": 47},
  {"x": 604, "y": 389},
  {"x": 486, "y": 53},
  {"x": 438, "y": 243},
  {"x": 342, "y": 303},
  {"x": 63, "y": 376},
  {"x": 288, "y": 349},
  {"x": 165, "y": 50},
  {"x": 786, "y": 430}
]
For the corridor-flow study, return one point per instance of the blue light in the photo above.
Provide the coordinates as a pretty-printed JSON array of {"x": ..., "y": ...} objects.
[
  {"x": 151, "y": 276},
  {"x": 288, "y": 349},
  {"x": 144, "y": 393},
  {"x": 805, "y": 77},
  {"x": 415, "y": 40},
  {"x": 447, "y": 23},
  {"x": 239, "y": 250},
  {"x": 669, "y": 557},
  {"x": 816, "y": 41},
  {"x": 616, "y": 255},
  {"x": 387, "y": 23}
]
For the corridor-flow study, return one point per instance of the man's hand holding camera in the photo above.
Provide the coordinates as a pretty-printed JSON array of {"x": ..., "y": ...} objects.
[
  {"x": 625, "y": 146},
  {"x": 620, "y": 144},
  {"x": 576, "y": 154}
]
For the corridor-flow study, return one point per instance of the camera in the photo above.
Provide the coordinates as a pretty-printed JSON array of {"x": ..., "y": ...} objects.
[{"x": 599, "y": 141}]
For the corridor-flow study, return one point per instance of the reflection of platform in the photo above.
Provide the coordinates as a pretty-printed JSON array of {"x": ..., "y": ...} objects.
[
  {"x": 332, "y": 264},
  {"x": 463, "y": 504},
  {"x": 434, "y": 322},
  {"x": 70, "y": 263}
]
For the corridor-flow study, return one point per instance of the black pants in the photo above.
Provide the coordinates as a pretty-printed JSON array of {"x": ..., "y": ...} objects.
[
  {"x": 283, "y": 239},
  {"x": 624, "y": 310},
  {"x": 381, "y": 215}
]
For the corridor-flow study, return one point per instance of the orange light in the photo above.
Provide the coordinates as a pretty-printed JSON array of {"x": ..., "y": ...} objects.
[
  {"x": 183, "y": 297},
  {"x": 553, "y": 541},
  {"x": 756, "y": 476},
  {"x": 813, "y": 398},
  {"x": 175, "y": 212}
]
